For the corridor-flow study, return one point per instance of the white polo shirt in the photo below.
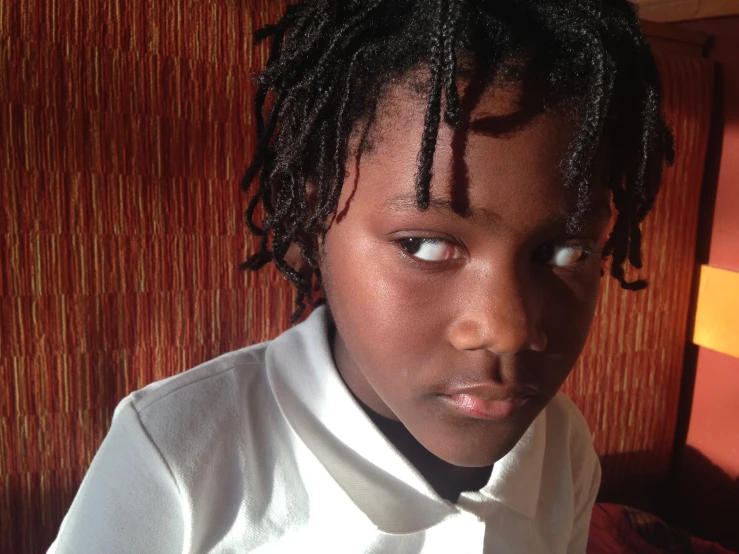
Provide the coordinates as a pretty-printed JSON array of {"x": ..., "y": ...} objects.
[{"x": 266, "y": 450}]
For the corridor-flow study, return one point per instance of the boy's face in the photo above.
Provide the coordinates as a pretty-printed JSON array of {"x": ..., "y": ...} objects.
[{"x": 464, "y": 320}]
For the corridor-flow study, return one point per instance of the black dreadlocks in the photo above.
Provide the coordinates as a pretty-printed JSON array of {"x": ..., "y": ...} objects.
[{"x": 331, "y": 59}]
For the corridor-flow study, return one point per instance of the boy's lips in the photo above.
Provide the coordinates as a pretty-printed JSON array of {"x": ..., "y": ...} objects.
[{"x": 487, "y": 401}]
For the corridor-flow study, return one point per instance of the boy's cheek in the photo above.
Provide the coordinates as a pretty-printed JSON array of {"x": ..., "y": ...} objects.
[
  {"x": 569, "y": 314},
  {"x": 370, "y": 270}
]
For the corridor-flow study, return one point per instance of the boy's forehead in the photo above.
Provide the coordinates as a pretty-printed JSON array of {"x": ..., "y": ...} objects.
[
  {"x": 491, "y": 111},
  {"x": 561, "y": 213},
  {"x": 407, "y": 99},
  {"x": 500, "y": 144}
]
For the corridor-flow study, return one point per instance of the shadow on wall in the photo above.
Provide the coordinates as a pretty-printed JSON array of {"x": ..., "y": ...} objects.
[
  {"x": 26, "y": 500},
  {"x": 701, "y": 498},
  {"x": 704, "y": 500}
]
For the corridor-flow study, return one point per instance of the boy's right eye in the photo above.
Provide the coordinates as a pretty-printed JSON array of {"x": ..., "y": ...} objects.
[{"x": 429, "y": 249}]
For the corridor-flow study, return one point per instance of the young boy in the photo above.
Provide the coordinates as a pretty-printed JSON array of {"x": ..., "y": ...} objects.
[{"x": 444, "y": 172}]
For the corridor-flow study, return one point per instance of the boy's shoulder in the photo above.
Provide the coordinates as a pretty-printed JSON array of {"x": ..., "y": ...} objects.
[
  {"x": 202, "y": 384},
  {"x": 232, "y": 390},
  {"x": 207, "y": 412}
]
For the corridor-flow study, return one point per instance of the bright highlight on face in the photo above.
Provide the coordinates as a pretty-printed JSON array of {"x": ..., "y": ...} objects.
[{"x": 463, "y": 320}]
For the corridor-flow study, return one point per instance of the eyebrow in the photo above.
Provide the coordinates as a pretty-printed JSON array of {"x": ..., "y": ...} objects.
[
  {"x": 481, "y": 216},
  {"x": 407, "y": 203}
]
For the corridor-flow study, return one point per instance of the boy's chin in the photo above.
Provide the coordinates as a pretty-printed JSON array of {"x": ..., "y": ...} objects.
[
  {"x": 476, "y": 449},
  {"x": 474, "y": 458}
]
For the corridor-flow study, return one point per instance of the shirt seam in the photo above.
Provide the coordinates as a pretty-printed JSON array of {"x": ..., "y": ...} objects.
[
  {"x": 164, "y": 461},
  {"x": 144, "y": 404}
]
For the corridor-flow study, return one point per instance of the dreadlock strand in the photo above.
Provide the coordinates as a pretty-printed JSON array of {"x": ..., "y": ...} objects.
[
  {"x": 433, "y": 115},
  {"x": 261, "y": 258},
  {"x": 321, "y": 187},
  {"x": 263, "y": 140},
  {"x": 301, "y": 284},
  {"x": 342, "y": 133},
  {"x": 453, "y": 112}
]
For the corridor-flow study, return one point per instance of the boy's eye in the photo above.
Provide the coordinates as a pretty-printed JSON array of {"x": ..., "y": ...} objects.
[
  {"x": 429, "y": 250},
  {"x": 560, "y": 255}
]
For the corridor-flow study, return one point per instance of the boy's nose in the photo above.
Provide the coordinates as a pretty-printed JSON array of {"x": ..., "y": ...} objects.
[{"x": 501, "y": 314}]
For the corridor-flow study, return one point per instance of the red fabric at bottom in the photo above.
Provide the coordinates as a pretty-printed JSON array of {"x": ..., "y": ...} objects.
[{"x": 618, "y": 529}]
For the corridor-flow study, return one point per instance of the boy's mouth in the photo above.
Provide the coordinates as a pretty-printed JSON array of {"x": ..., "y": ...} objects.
[{"x": 487, "y": 401}]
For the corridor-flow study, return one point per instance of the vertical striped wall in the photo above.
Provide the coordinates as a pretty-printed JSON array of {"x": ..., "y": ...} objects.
[{"x": 124, "y": 129}]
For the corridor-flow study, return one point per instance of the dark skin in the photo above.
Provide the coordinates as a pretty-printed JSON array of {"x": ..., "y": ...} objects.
[{"x": 487, "y": 304}]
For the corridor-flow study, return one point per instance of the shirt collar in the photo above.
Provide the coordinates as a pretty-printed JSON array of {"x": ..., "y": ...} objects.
[
  {"x": 380, "y": 481},
  {"x": 516, "y": 477}
]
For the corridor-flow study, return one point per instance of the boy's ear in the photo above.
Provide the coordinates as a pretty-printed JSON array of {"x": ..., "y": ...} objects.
[
  {"x": 310, "y": 192},
  {"x": 293, "y": 257}
]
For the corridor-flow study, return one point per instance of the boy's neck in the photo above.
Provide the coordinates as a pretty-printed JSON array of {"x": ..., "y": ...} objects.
[{"x": 448, "y": 480}]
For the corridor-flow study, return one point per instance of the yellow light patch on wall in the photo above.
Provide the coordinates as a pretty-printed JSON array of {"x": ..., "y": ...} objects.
[{"x": 717, "y": 313}]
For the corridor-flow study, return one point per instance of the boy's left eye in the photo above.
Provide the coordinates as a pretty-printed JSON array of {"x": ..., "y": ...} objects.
[
  {"x": 560, "y": 255},
  {"x": 428, "y": 249}
]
